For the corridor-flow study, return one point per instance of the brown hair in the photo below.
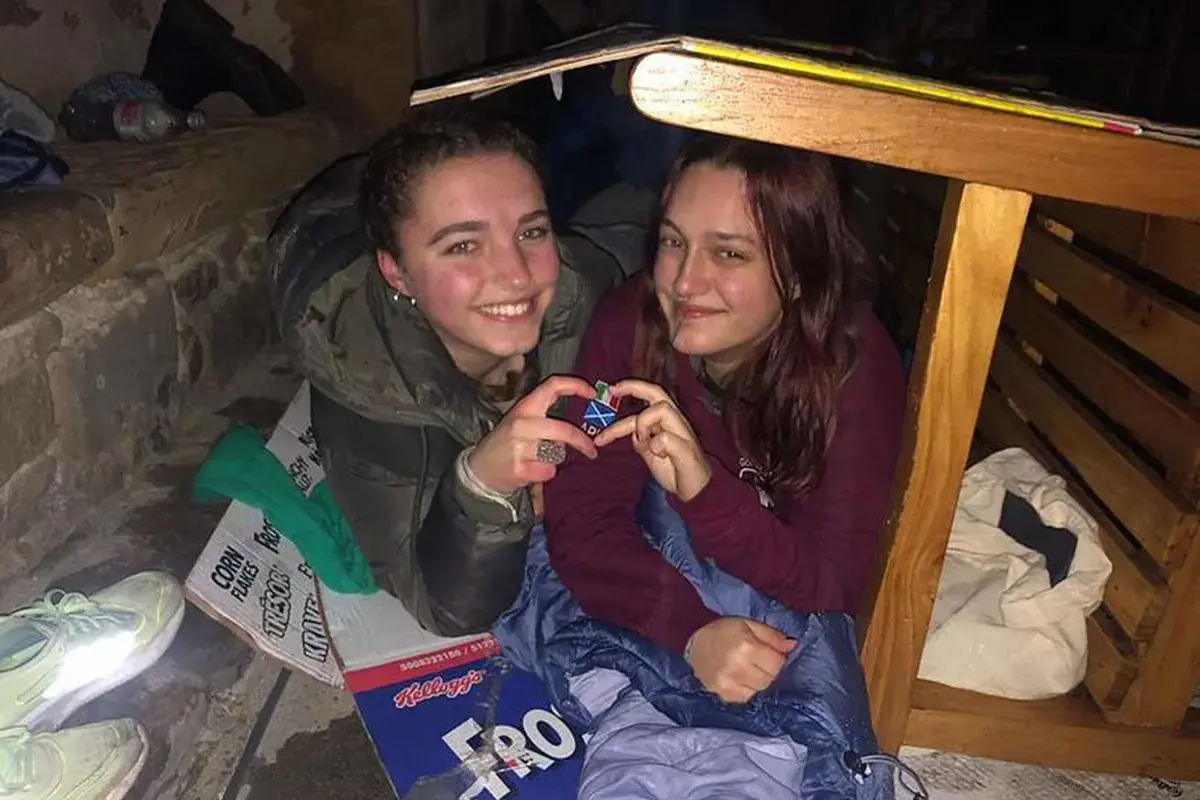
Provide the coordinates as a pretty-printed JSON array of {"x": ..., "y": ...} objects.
[
  {"x": 428, "y": 138},
  {"x": 781, "y": 403}
]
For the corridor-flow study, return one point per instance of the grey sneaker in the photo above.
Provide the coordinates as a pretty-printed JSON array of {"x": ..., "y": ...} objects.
[
  {"x": 68, "y": 649},
  {"x": 90, "y": 762}
]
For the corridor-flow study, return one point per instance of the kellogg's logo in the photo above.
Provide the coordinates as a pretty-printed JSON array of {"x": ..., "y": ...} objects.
[{"x": 419, "y": 691}]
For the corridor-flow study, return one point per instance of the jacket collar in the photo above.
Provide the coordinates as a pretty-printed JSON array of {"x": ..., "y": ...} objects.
[{"x": 427, "y": 371}]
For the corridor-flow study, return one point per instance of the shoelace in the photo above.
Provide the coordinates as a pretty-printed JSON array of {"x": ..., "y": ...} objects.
[
  {"x": 16, "y": 760},
  {"x": 903, "y": 772},
  {"x": 72, "y": 612}
]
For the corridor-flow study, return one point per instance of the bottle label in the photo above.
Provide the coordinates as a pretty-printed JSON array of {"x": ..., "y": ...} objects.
[{"x": 127, "y": 119}]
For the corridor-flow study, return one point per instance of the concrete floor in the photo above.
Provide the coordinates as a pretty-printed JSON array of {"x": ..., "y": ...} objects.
[{"x": 313, "y": 746}]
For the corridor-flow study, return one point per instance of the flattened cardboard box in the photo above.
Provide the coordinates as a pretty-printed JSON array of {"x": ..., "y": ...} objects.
[
  {"x": 252, "y": 579},
  {"x": 815, "y": 60}
]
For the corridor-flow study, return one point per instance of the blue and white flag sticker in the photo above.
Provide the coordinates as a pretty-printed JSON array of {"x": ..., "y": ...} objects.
[
  {"x": 601, "y": 412},
  {"x": 599, "y": 415}
]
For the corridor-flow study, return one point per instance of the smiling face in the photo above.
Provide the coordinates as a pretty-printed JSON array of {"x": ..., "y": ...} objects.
[
  {"x": 712, "y": 274},
  {"x": 479, "y": 258}
]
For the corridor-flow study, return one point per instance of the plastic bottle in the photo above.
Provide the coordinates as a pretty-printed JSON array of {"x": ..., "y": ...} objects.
[
  {"x": 148, "y": 120},
  {"x": 142, "y": 120}
]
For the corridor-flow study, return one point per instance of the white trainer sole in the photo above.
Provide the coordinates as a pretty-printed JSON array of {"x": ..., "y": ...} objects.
[
  {"x": 122, "y": 789},
  {"x": 53, "y": 714}
]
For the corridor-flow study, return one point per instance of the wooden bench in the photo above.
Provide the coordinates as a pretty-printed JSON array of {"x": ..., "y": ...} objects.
[{"x": 1095, "y": 371}]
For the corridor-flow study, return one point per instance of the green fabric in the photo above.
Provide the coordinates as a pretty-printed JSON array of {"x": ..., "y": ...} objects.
[{"x": 241, "y": 468}]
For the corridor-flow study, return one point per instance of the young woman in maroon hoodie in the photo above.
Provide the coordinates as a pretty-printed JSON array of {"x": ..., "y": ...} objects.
[{"x": 772, "y": 403}]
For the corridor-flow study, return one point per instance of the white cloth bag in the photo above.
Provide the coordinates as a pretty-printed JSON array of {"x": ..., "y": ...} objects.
[{"x": 998, "y": 627}]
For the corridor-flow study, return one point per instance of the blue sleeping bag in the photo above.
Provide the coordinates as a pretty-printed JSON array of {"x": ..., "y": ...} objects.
[{"x": 651, "y": 723}]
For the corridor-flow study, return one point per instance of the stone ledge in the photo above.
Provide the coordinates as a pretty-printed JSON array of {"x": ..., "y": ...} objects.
[
  {"x": 50, "y": 239},
  {"x": 126, "y": 203}
]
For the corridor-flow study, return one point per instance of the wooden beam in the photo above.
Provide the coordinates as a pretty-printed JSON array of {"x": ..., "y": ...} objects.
[
  {"x": 973, "y": 262},
  {"x": 1066, "y": 732},
  {"x": 970, "y": 144},
  {"x": 1170, "y": 247}
]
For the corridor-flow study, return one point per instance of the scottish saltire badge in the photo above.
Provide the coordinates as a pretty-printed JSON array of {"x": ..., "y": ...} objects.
[{"x": 601, "y": 412}]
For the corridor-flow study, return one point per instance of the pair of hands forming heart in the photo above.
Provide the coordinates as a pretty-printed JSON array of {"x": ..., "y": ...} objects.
[{"x": 507, "y": 459}]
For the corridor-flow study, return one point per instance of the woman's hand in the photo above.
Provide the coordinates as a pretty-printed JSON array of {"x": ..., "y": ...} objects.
[
  {"x": 507, "y": 459},
  {"x": 737, "y": 658},
  {"x": 664, "y": 439}
]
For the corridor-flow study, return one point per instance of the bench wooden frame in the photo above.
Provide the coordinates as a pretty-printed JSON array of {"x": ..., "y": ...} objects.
[{"x": 1145, "y": 651}]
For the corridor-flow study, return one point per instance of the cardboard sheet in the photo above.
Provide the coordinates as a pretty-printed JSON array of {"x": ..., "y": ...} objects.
[{"x": 813, "y": 60}]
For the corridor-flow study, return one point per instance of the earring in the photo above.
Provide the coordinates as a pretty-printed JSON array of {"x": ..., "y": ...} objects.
[{"x": 396, "y": 295}]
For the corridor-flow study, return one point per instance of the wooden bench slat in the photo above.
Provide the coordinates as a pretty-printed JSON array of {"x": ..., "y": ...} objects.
[
  {"x": 1162, "y": 690},
  {"x": 1157, "y": 327},
  {"x": 1135, "y": 595},
  {"x": 1166, "y": 245},
  {"x": 1160, "y": 519},
  {"x": 1122, "y": 232},
  {"x": 1173, "y": 250},
  {"x": 1161, "y": 423},
  {"x": 1111, "y": 663}
]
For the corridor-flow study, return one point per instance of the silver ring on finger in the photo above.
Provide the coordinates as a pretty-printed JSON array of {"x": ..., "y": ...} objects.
[{"x": 550, "y": 452}]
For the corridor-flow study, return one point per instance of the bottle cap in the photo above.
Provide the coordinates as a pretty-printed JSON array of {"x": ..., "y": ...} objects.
[{"x": 197, "y": 120}]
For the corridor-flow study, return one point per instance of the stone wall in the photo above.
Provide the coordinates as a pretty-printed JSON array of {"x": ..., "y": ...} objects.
[
  {"x": 48, "y": 47},
  {"x": 126, "y": 294},
  {"x": 355, "y": 58},
  {"x": 99, "y": 378}
]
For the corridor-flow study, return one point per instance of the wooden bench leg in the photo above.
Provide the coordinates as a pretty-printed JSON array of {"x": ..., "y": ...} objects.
[{"x": 977, "y": 245}]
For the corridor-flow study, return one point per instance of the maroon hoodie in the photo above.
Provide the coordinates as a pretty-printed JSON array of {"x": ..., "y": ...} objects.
[{"x": 811, "y": 553}]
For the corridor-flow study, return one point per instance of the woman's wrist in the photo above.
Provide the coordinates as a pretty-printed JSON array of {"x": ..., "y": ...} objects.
[{"x": 471, "y": 483}]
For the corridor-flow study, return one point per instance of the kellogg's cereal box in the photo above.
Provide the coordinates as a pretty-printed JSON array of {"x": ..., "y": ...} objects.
[{"x": 462, "y": 723}]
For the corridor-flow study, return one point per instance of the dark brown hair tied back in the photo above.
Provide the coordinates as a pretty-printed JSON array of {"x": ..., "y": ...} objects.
[{"x": 429, "y": 137}]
